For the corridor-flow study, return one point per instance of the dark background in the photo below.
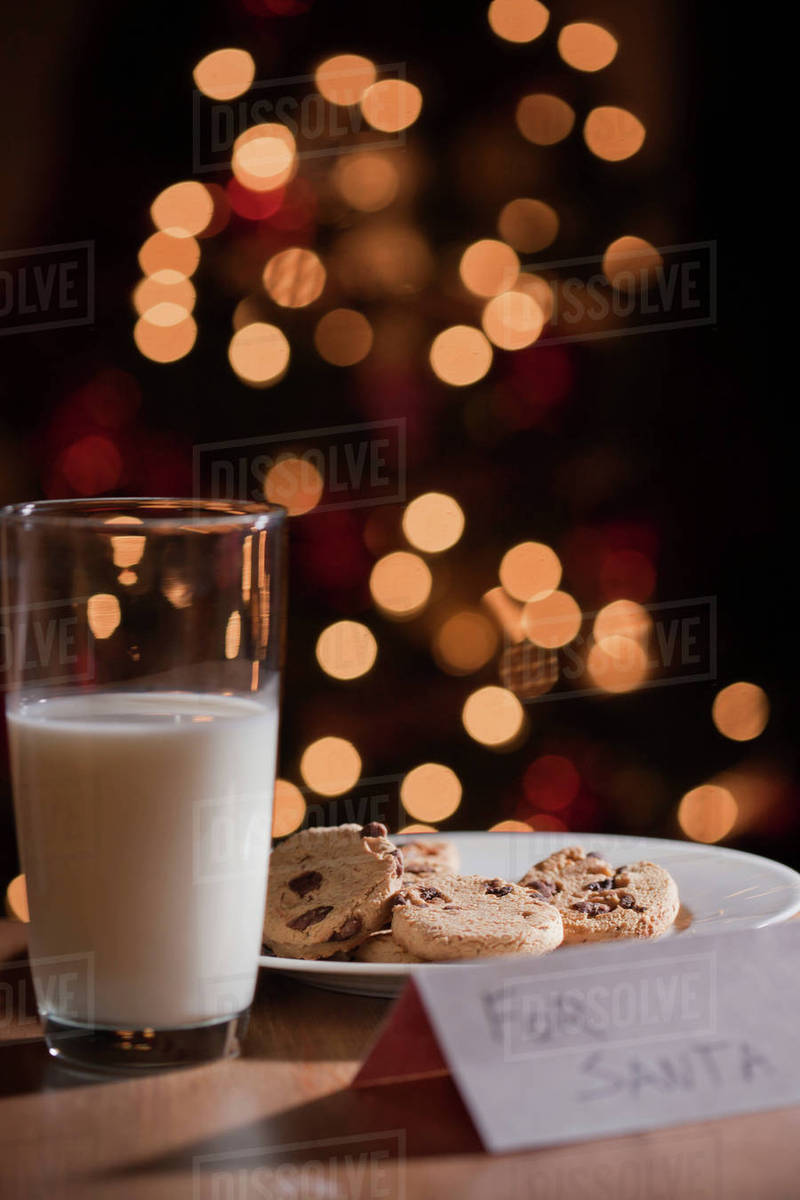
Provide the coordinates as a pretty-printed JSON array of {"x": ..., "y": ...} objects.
[{"x": 671, "y": 433}]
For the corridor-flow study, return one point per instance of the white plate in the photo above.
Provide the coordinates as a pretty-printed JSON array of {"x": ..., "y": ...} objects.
[{"x": 719, "y": 889}]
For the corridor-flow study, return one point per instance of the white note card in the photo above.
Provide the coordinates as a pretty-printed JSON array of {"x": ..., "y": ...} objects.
[{"x": 615, "y": 1038}]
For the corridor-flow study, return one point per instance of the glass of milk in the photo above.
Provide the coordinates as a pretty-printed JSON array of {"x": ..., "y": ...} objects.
[{"x": 142, "y": 642}]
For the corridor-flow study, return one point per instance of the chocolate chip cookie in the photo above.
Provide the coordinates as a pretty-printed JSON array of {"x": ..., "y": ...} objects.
[
  {"x": 446, "y": 917},
  {"x": 382, "y": 947},
  {"x": 329, "y": 888},
  {"x": 599, "y": 902},
  {"x": 430, "y": 858}
]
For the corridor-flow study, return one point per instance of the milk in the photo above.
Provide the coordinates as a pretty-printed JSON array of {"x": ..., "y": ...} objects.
[{"x": 144, "y": 823}]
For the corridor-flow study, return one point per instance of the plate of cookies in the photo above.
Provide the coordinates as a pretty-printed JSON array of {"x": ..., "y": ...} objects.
[{"x": 352, "y": 909}]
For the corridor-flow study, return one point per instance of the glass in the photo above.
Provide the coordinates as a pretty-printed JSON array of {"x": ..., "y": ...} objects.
[{"x": 143, "y": 646}]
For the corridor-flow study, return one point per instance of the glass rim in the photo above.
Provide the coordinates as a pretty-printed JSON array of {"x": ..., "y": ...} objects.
[{"x": 176, "y": 513}]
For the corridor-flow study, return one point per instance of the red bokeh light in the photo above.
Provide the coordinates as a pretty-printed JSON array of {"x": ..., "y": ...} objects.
[
  {"x": 627, "y": 574},
  {"x": 91, "y": 466},
  {"x": 298, "y": 212},
  {"x": 537, "y": 380},
  {"x": 254, "y": 206},
  {"x": 551, "y": 782},
  {"x": 590, "y": 558}
]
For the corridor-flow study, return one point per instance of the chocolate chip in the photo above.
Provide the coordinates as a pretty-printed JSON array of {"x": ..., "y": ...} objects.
[
  {"x": 450, "y": 908},
  {"x": 593, "y": 854},
  {"x": 374, "y": 829},
  {"x": 312, "y": 917},
  {"x": 429, "y": 893},
  {"x": 496, "y": 887},
  {"x": 542, "y": 887},
  {"x": 396, "y": 899},
  {"x": 599, "y": 885},
  {"x": 351, "y": 927},
  {"x": 398, "y": 866},
  {"x": 309, "y": 881},
  {"x": 265, "y": 949},
  {"x": 591, "y": 909},
  {"x": 626, "y": 902}
]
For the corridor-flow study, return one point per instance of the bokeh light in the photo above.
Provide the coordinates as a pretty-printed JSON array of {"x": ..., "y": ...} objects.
[
  {"x": 259, "y": 354},
  {"x": 126, "y": 549},
  {"x": 527, "y": 670},
  {"x": 512, "y": 320},
  {"x": 630, "y": 263},
  {"x": 741, "y": 711},
  {"x": 551, "y": 782},
  {"x": 528, "y": 225},
  {"x": 544, "y": 119},
  {"x": 183, "y": 210},
  {"x": 346, "y": 650},
  {"x": 617, "y": 664},
  {"x": 288, "y": 810},
  {"x": 460, "y": 355},
  {"x": 707, "y": 813},
  {"x": 103, "y": 614},
  {"x": 344, "y": 78},
  {"x": 416, "y": 827},
  {"x": 464, "y": 642},
  {"x": 368, "y": 182},
  {"x": 518, "y": 20},
  {"x": 623, "y": 617},
  {"x": 233, "y": 634},
  {"x": 586, "y": 47},
  {"x": 613, "y": 133},
  {"x": 296, "y": 483},
  {"x": 530, "y": 571},
  {"x": 488, "y": 267},
  {"x": 538, "y": 288},
  {"x": 493, "y": 716},
  {"x": 400, "y": 584},
  {"x": 391, "y": 105},
  {"x": 506, "y": 611},
  {"x": 165, "y": 333},
  {"x": 17, "y": 899},
  {"x": 224, "y": 74},
  {"x": 294, "y": 277},
  {"x": 431, "y": 792},
  {"x": 163, "y": 252},
  {"x": 263, "y": 157},
  {"x": 433, "y": 522},
  {"x": 552, "y": 621},
  {"x": 343, "y": 337},
  {"x": 330, "y": 766},
  {"x": 382, "y": 258},
  {"x": 164, "y": 287},
  {"x": 511, "y": 826}
]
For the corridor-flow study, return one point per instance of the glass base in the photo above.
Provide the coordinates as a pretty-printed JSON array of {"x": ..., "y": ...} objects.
[{"x": 137, "y": 1051}]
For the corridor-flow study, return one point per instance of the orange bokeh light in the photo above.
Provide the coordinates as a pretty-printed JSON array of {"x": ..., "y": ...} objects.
[
  {"x": 433, "y": 522},
  {"x": 707, "y": 813},
  {"x": 431, "y": 792},
  {"x": 613, "y": 133},
  {"x": 103, "y": 614},
  {"x": 391, "y": 105},
  {"x": 511, "y": 827},
  {"x": 460, "y": 355},
  {"x": 264, "y": 157},
  {"x": 587, "y": 47},
  {"x": 630, "y": 263},
  {"x": 289, "y": 808},
  {"x": 164, "y": 287},
  {"x": 330, "y": 766},
  {"x": 344, "y": 78},
  {"x": 512, "y": 320},
  {"x": 400, "y": 584},
  {"x": 259, "y": 354},
  {"x": 530, "y": 571},
  {"x": 741, "y": 711},
  {"x": 368, "y": 182},
  {"x": 346, "y": 650},
  {"x": 464, "y": 642},
  {"x": 552, "y": 621},
  {"x": 489, "y": 267},
  {"x": 183, "y": 210},
  {"x": 528, "y": 225},
  {"x": 295, "y": 483},
  {"x": 294, "y": 277},
  {"x": 617, "y": 664},
  {"x": 224, "y": 74},
  {"x": 493, "y": 716},
  {"x": 518, "y": 20},
  {"x": 343, "y": 337},
  {"x": 544, "y": 119},
  {"x": 624, "y": 617},
  {"x": 163, "y": 252},
  {"x": 165, "y": 333}
]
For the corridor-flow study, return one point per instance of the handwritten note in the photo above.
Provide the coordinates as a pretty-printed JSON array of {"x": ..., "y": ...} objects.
[{"x": 594, "y": 1041}]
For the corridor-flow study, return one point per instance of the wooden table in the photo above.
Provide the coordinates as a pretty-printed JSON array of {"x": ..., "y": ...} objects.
[{"x": 282, "y": 1122}]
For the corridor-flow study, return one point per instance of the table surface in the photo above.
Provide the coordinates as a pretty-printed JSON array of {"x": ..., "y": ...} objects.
[{"x": 282, "y": 1121}]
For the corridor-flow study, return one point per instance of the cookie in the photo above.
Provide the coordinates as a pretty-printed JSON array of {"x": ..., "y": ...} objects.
[
  {"x": 600, "y": 903},
  {"x": 450, "y": 917},
  {"x": 329, "y": 888},
  {"x": 430, "y": 858},
  {"x": 382, "y": 947}
]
